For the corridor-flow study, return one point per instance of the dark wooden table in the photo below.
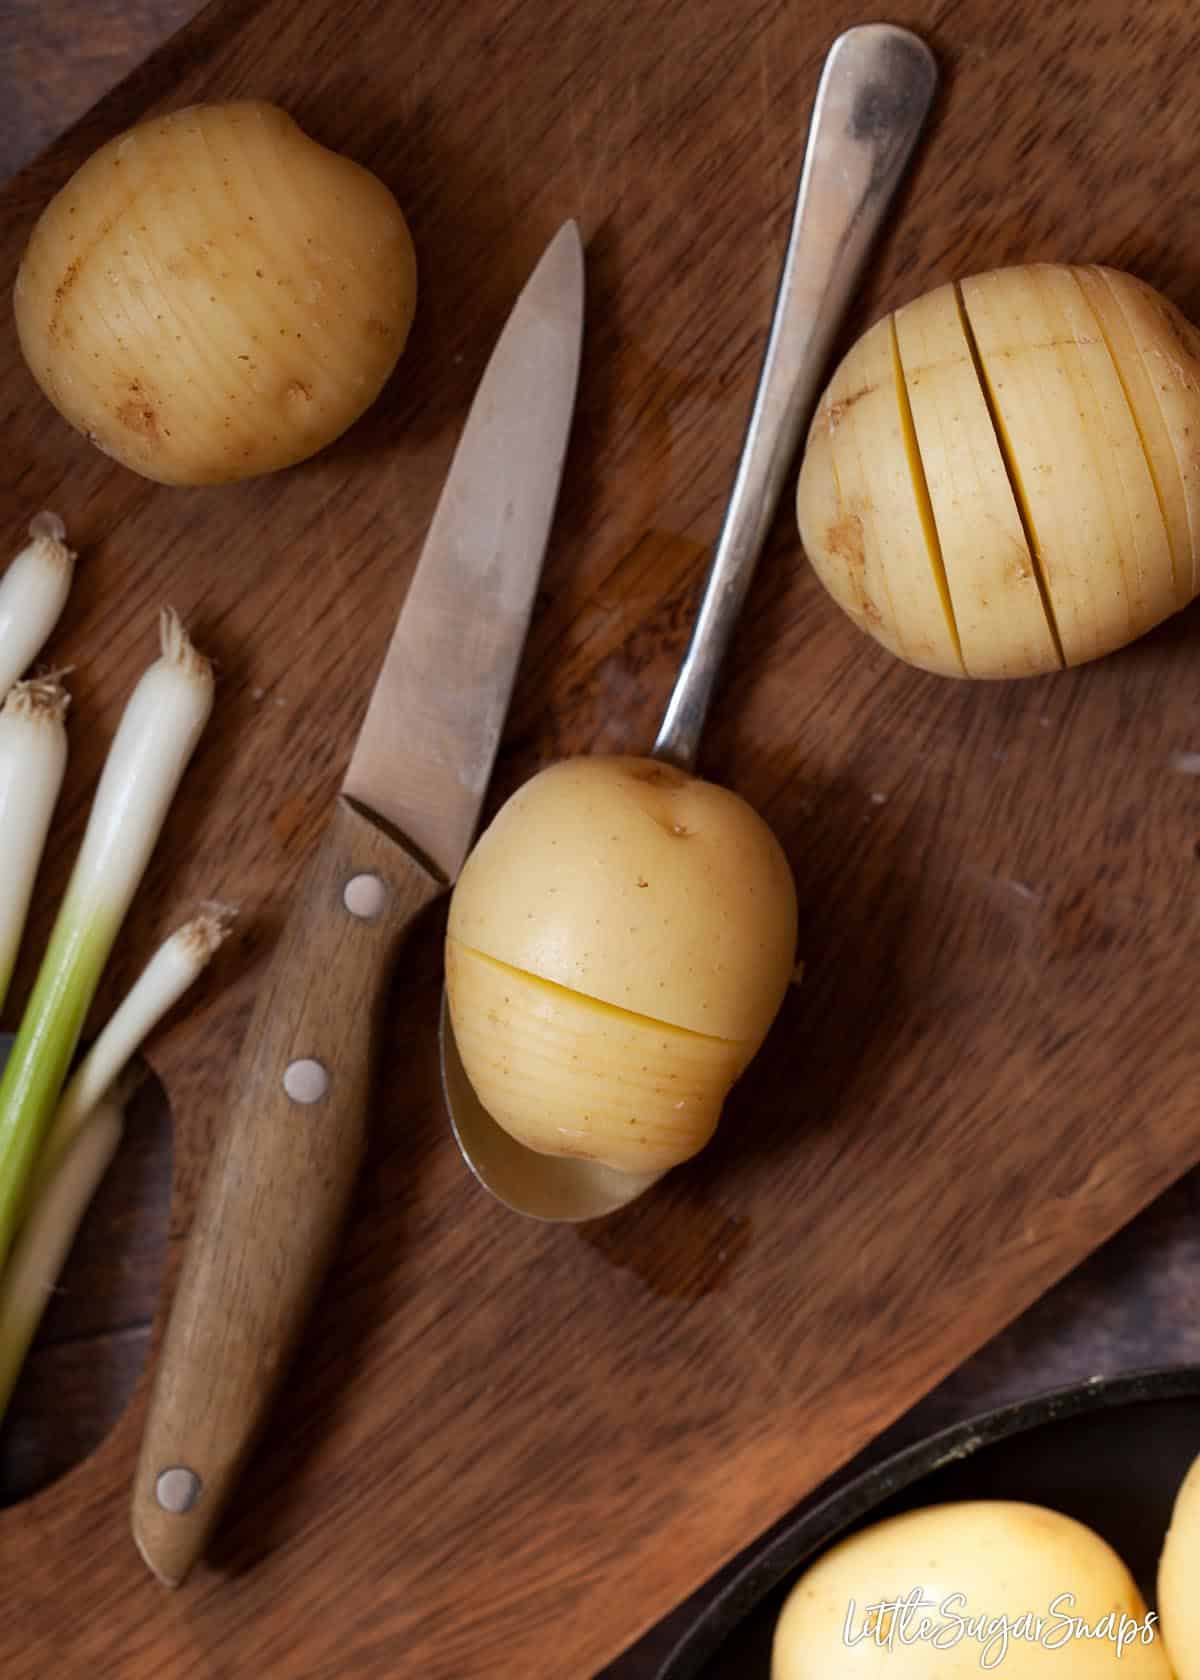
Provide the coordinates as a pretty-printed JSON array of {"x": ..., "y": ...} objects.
[{"x": 1136, "y": 1303}]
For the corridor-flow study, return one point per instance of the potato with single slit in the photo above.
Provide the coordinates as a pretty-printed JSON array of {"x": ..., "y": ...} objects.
[{"x": 619, "y": 942}]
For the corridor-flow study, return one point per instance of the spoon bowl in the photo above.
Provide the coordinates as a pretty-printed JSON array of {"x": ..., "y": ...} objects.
[
  {"x": 874, "y": 96},
  {"x": 550, "y": 1187}
]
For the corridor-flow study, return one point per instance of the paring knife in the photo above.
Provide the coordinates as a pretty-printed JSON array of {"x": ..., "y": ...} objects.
[{"x": 280, "y": 1178}]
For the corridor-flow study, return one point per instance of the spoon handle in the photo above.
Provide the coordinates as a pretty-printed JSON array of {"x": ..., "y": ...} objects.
[{"x": 874, "y": 97}]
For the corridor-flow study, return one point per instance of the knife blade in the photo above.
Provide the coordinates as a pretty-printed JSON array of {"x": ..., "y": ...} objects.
[{"x": 279, "y": 1180}]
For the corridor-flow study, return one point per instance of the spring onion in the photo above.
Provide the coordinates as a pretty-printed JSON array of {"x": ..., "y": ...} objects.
[
  {"x": 37, "y": 1255},
  {"x": 33, "y": 760},
  {"x": 159, "y": 729},
  {"x": 33, "y": 592},
  {"x": 177, "y": 963}
]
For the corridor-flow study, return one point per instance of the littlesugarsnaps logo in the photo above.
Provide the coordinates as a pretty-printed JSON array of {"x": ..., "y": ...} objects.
[{"x": 918, "y": 1620}]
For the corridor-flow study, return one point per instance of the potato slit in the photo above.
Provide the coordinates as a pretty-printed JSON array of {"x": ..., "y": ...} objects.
[
  {"x": 598, "y": 1003},
  {"x": 1008, "y": 458},
  {"x": 1185, "y": 587},
  {"x": 857, "y": 581},
  {"x": 1137, "y": 426},
  {"x": 916, "y": 468}
]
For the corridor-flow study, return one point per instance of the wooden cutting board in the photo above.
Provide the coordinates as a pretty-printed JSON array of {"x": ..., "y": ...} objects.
[{"x": 507, "y": 1448}]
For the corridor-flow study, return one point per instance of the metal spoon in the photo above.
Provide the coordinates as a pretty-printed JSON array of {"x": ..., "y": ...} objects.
[{"x": 874, "y": 96}]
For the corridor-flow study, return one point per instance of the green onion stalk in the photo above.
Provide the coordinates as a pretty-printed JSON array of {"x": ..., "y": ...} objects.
[
  {"x": 38, "y": 1254},
  {"x": 158, "y": 732},
  {"x": 86, "y": 1132},
  {"x": 33, "y": 593},
  {"x": 174, "y": 967},
  {"x": 33, "y": 760}
]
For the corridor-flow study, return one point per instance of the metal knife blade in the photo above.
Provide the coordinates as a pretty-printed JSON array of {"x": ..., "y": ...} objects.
[
  {"x": 425, "y": 752},
  {"x": 281, "y": 1172}
]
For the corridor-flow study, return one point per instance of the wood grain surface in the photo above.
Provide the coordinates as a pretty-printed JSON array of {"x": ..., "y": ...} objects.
[
  {"x": 58, "y": 57},
  {"x": 506, "y": 1449}
]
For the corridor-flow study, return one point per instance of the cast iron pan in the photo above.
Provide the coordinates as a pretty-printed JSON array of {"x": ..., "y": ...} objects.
[{"x": 1111, "y": 1453}]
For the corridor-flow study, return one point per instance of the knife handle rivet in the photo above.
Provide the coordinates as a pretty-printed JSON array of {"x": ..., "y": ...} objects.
[
  {"x": 305, "y": 1080},
  {"x": 365, "y": 896},
  {"x": 177, "y": 1489}
]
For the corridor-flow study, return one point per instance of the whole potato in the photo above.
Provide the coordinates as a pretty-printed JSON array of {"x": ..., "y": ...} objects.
[
  {"x": 1179, "y": 1578},
  {"x": 213, "y": 295},
  {"x": 1000, "y": 480},
  {"x": 980, "y": 1573},
  {"x": 619, "y": 942}
]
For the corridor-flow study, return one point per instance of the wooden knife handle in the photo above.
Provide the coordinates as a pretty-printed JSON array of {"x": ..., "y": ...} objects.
[{"x": 277, "y": 1187}]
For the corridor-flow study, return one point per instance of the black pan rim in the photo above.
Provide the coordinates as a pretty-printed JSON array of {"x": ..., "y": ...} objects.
[{"x": 814, "y": 1526}]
